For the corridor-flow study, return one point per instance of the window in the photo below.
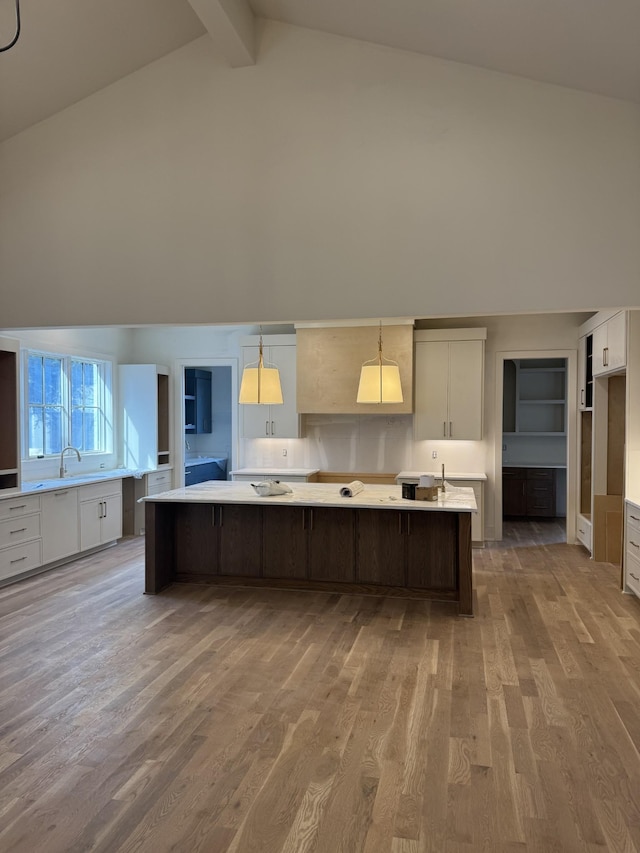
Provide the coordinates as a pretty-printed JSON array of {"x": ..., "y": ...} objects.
[{"x": 68, "y": 402}]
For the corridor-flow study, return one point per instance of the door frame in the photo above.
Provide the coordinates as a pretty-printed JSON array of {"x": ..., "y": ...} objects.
[
  {"x": 178, "y": 373},
  {"x": 571, "y": 355}
]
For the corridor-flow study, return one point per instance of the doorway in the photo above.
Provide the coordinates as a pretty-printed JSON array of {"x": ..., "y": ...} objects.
[
  {"x": 535, "y": 448},
  {"x": 206, "y": 420}
]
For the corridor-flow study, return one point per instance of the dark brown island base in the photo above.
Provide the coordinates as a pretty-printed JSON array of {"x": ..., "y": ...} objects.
[{"x": 374, "y": 543}]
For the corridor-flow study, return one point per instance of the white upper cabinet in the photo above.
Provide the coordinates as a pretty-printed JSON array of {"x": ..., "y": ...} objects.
[
  {"x": 144, "y": 403},
  {"x": 610, "y": 345},
  {"x": 449, "y": 381},
  {"x": 278, "y": 421}
]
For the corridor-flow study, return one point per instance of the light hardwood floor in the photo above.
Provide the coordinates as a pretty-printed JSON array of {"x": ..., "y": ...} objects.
[{"x": 217, "y": 719}]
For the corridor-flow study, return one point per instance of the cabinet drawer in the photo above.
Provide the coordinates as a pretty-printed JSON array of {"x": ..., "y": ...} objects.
[
  {"x": 157, "y": 478},
  {"x": 633, "y": 523},
  {"x": 632, "y": 574},
  {"x": 540, "y": 474},
  {"x": 20, "y": 558},
  {"x": 20, "y": 505},
  {"x": 19, "y": 529},
  {"x": 513, "y": 473},
  {"x": 583, "y": 532},
  {"x": 98, "y": 491}
]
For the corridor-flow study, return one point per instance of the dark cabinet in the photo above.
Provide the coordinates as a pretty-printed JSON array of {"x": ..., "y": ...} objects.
[
  {"x": 285, "y": 543},
  {"x": 197, "y": 401},
  {"x": 331, "y": 544},
  {"x": 217, "y": 539},
  {"x": 381, "y": 547},
  {"x": 201, "y": 473},
  {"x": 432, "y": 550},
  {"x": 529, "y": 492}
]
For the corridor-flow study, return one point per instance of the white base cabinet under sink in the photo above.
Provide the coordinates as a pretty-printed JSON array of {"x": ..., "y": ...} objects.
[{"x": 100, "y": 513}]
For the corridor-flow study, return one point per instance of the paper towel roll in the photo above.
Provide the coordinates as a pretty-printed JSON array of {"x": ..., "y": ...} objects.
[
  {"x": 351, "y": 489},
  {"x": 426, "y": 480}
]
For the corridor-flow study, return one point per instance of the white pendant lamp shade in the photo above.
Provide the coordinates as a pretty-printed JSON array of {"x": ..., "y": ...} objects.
[
  {"x": 380, "y": 380},
  {"x": 260, "y": 385}
]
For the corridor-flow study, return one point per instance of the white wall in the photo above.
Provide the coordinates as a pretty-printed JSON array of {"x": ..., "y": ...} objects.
[{"x": 334, "y": 179}]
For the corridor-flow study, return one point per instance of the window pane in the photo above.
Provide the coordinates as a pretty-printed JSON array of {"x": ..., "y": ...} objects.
[
  {"x": 90, "y": 384},
  {"x": 53, "y": 381},
  {"x": 76, "y": 384},
  {"x": 76, "y": 429},
  {"x": 90, "y": 430},
  {"x": 35, "y": 379},
  {"x": 36, "y": 432},
  {"x": 52, "y": 430}
]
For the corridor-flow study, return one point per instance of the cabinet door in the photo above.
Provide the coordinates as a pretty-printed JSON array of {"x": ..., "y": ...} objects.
[
  {"x": 380, "y": 547},
  {"x": 617, "y": 341},
  {"x": 285, "y": 420},
  {"x": 331, "y": 544},
  {"x": 284, "y": 544},
  {"x": 600, "y": 349},
  {"x": 90, "y": 524},
  {"x": 60, "y": 525},
  {"x": 111, "y": 518},
  {"x": 582, "y": 373},
  {"x": 514, "y": 492},
  {"x": 466, "y": 376},
  {"x": 432, "y": 550},
  {"x": 203, "y": 404},
  {"x": 541, "y": 495},
  {"x": 240, "y": 532},
  {"x": 431, "y": 418},
  {"x": 196, "y": 538}
]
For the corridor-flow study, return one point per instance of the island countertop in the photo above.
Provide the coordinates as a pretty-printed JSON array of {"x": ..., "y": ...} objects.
[{"x": 318, "y": 494}]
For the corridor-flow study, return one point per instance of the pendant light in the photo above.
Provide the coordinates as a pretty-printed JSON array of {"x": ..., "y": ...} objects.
[
  {"x": 260, "y": 385},
  {"x": 380, "y": 379}
]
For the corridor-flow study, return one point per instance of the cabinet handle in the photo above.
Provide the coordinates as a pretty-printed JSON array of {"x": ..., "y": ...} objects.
[
  {"x": 22, "y": 506},
  {"x": 450, "y": 429},
  {"x": 310, "y": 518},
  {"x": 400, "y": 523},
  {"x": 605, "y": 357},
  {"x": 105, "y": 509},
  {"x": 61, "y": 494},
  {"x": 17, "y": 560},
  {"x": 635, "y": 518},
  {"x": 582, "y": 396},
  {"x": 220, "y": 516},
  {"x": 266, "y": 427},
  {"x": 635, "y": 544},
  {"x": 580, "y": 530},
  {"x": 213, "y": 516},
  {"x": 635, "y": 577},
  {"x": 408, "y": 524},
  {"x": 444, "y": 428},
  {"x": 18, "y": 530},
  {"x": 523, "y": 485},
  {"x": 273, "y": 429}
]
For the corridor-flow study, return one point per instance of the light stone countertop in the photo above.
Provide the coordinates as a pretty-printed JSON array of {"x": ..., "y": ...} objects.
[
  {"x": 54, "y": 484},
  {"x": 281, "y": 472},
  {"x": 318, "y": 494},
  {"x": 415, "y": 475}
]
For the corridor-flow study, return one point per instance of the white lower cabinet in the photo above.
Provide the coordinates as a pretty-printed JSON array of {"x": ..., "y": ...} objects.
[
  {"x": 100, "y": 513},
  {"x": 583, "y": 532},
  {"x": 632, "y": 548},
  {"x": 20, "y": 535},
  {"x": 60, "y": 524}
]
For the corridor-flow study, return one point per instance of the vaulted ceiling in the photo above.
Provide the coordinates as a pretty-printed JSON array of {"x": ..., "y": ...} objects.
[{"x": 69, "y": 49}]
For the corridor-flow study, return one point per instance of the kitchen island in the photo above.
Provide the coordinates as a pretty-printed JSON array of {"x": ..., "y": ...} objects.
[{"x": 373, "y": 543}]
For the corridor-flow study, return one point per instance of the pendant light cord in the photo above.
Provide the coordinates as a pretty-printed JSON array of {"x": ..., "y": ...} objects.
[{"x": 17, "y": 35}]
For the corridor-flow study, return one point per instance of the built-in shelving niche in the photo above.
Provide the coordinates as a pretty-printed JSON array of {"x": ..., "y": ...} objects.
[{"x": 9, "y": 452}]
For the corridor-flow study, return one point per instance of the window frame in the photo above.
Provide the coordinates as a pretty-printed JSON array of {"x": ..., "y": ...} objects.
[{"x": 104, "y": 405}]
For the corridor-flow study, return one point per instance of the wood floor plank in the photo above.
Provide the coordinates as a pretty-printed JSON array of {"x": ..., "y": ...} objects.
[{"x": 231, "y": 720}]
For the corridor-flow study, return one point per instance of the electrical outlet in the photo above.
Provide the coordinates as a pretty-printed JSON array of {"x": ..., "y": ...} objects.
[
  {"x": 434, "y": 454},
  {"x": 284, "y": 451}
]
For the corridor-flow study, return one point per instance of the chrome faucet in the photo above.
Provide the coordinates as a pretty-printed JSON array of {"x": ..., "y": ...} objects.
[{"x": 63, "y": 470}]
